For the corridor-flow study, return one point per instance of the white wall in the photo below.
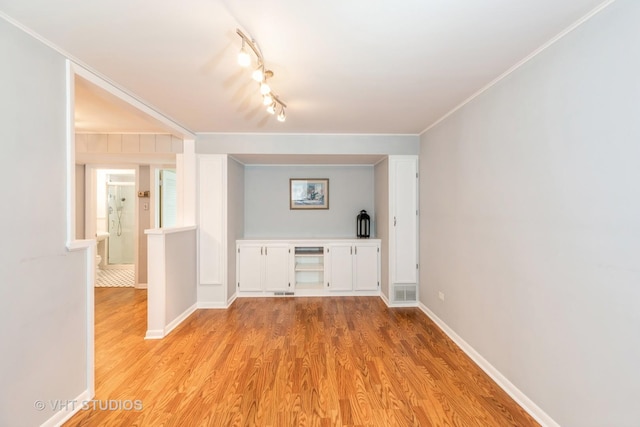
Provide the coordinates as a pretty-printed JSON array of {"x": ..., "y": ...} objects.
[
  {"x": 181, "y": 273},
  {"x": 172, "y": 274},
  {"x": 235, "y": 220},
  {"x": 530, "y": 213},
  {"x": 306, "y": 144},
  {"x": 42, "y": 285},
  {"x": 381, "y": 218},
  {"x": 267, "y": 213}
]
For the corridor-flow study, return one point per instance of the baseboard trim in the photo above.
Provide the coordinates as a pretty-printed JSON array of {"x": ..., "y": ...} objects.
[
  {"x": 141, "y": 286},
  {"x": 154, "y": 334},
  {"x": 64, "y": 415},
  {"x": 212, "y": 305},
  {"x": 181, "y": 318},
  {"x": 232, "y": 299},
  {"x": 384, "y": 298},
  {"x": 527, "y": 404}
]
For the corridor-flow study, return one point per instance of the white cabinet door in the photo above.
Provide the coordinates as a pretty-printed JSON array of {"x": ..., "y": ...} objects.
[
  {"x": 365, "y": 267},
  {"x": 339, "y": 267},
  {"x": 276, "y": 268},
  {"x": 403, "y": 192},
  {"x": 249, "y": 271}
]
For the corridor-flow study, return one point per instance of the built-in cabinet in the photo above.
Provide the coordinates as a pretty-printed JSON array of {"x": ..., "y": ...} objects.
[
  {"x": 308, "y": 267},
  {"x": 403, "y": 228},
  {"x": 263, "y": 267},
  {"x": 353, "y": 266}
]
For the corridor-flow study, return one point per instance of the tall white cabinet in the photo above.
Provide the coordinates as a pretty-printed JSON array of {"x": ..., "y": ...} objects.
[{"x": 403, "y": 229}]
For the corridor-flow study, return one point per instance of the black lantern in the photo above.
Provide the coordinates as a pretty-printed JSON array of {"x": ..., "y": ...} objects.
[{"x": 362, "y": 225}]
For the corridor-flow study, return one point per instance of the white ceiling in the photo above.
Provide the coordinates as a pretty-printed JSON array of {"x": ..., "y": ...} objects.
[{"x": 341, "y": 66}]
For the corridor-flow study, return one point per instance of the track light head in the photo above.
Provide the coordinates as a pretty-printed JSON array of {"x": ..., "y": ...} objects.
[
  {"x": 267, "y": 99},
  {"x": 271, "y": 109},
  {"x": 281, "y": 116},
  {"x": 260, "y": 74},
  {"x": 244, "y": 60}
]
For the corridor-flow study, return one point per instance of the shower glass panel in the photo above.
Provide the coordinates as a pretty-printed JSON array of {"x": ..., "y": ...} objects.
[{"x": 121, "y": 218}]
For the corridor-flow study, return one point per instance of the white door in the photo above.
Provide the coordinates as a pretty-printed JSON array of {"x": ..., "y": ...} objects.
[
  {"x": 276, "y": 268},
  {"x": 404, "y": 221},
  {"x": 340, "y": 267},
  {"x": 366, "y": 267},
  {"x": 249, "y": 272}
]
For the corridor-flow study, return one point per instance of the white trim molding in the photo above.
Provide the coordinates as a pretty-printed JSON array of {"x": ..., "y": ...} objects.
[
  {"x": 527, "y": 404},
  {"x": 69, "y": 410}
]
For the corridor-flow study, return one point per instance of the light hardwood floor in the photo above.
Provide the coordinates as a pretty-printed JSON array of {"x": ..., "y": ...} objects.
[{"x": 343, "y": 361}]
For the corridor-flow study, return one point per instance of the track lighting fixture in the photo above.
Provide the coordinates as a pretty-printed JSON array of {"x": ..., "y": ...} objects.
[{"x": 260, "y": 74}]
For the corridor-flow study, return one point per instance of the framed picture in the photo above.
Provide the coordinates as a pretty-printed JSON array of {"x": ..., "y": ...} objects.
[{"x": 309, "y": 193}]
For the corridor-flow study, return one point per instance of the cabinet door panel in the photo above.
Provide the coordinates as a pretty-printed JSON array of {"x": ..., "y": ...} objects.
[
  {"x": 366, "y": 267},
  {"x": 405, "y": 221},
  {"x": 276, "y": 268},
  {"x": 249, "y": 274},
  {"x": 341, "y": 268}
]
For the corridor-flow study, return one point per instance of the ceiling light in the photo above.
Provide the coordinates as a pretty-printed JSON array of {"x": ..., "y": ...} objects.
[
  {"x": 260, "y": 74},
  {"x": 244, "y": 60},
  {"x": 271, "y": 109}
]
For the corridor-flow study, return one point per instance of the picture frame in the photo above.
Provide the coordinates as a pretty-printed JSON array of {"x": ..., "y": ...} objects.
[{"x": 308, "y": 193}]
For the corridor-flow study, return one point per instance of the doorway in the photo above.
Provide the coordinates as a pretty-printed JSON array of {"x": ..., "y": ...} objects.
[{"x": 112, "y": 217}]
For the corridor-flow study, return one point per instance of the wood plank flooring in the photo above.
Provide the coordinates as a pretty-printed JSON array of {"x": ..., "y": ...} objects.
[{"x": 343, "y": 361}]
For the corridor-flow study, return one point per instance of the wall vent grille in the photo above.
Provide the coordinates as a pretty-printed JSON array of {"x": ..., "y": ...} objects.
[{"x": 405, "y": 293}]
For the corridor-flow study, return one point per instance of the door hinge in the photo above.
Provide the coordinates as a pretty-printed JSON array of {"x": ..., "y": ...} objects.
[
  {"x": 238, "y": 284},
  {"x": 238, "y": 250},
  {"x": 327, "y": 284},
  {"x": 416, "y": 266}
]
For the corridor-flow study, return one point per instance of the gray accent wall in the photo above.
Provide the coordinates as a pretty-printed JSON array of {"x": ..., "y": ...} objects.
[
  {"x": 42, "y": 285},
  {"x": 267, "y": 213},
  {"x": 530, "y": 223}
]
